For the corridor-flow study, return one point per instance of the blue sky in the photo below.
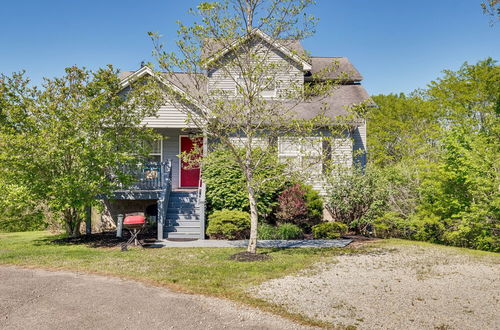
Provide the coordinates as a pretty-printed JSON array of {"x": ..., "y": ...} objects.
[{"x": 397, "y": 45}]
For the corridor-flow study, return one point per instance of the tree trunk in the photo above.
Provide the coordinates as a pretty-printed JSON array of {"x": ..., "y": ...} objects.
[
  {"x": 72, "y": 222},
  {"x": 254, "y": 217},
  {"x": 76, "y": 228}
]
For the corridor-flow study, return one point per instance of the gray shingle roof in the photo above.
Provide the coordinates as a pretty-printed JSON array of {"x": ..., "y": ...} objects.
[
  {"x": 334, "y": 67},
  {"x": 333, "y": 105}
]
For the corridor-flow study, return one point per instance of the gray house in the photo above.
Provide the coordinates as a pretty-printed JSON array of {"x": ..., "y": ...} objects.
[{"x": 173, "y": 192}]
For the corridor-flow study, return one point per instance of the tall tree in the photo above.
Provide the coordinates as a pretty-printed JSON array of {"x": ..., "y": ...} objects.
[
  {"x": 259, "y": 106},
  {"x": 61, "y": 141},
  {"x": 491, "y": 8},
  {"x": 402, "y": 128}
]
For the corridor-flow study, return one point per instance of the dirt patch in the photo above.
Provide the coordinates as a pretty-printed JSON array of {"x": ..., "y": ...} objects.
[
  {"x": 359, "y": 241},
  {"x": 247, "y": 256},
  {"x": 396, "y": 286},
  {"x": 105, "y": 239}
]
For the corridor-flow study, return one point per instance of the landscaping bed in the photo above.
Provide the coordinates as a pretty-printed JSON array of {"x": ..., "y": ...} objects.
[{"x": 105, "y": 239}]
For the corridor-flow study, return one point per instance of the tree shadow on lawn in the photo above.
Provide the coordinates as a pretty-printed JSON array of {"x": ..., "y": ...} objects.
[{"x": 98, "y": 240}]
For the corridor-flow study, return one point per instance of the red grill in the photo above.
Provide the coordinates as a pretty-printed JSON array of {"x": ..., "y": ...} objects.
[{"x": 134, "y": 223}]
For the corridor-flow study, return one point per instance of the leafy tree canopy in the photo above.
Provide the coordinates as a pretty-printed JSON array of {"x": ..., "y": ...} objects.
[{"x": 62, "y": 141}]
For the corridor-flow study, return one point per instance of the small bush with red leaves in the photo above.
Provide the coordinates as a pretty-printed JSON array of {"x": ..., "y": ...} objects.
[{"x": 299, "y": 205}]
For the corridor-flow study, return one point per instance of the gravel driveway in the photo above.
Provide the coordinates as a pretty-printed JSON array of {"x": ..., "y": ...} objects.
[
  {"x": 397, "y": 287},
  {"x": 37, "y": 299}
]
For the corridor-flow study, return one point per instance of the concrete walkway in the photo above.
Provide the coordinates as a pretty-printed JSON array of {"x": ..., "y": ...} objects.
[
  {"x": 320, "y": 243},
  {"x": 38, "y": 299}
]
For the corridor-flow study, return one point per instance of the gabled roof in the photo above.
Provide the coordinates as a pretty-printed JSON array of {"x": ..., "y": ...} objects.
[
  {"x": 214, "y": 50},
  {"x": 334, "y": 68},
  {"x": 334, "y": 105},
  {"x": 130, "y": 76}
]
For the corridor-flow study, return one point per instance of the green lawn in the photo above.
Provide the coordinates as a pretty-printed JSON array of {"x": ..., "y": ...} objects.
[{"x": 196, "y": 270}]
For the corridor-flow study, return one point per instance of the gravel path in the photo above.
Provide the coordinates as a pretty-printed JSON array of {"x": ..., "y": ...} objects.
[
  {"x": 397, "y": 287},
  {"x": 38, "y": 299}
]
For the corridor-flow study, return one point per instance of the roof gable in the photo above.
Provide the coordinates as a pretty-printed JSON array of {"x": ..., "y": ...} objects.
[
  {"x": 290, "y": 48},
  {"x": 130, "y": 77}
]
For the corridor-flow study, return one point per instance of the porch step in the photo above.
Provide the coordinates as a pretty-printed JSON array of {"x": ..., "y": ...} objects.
[
  {"x": 184, "y": 229},
  {"x": 184, "y": 197},
  {"x": 182, "y": 235},
  {"x": 184, "y": 206},
  {"x": 183, "y": 223},
  {"x": 183, "y": 210},
  {"x": 185, "y": 217}
]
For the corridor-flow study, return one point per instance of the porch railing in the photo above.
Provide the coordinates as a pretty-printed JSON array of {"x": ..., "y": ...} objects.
[{"x": 148, "y": 176}]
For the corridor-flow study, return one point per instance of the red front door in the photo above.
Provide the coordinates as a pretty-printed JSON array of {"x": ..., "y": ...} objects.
[{"x": 190, "y": 172}]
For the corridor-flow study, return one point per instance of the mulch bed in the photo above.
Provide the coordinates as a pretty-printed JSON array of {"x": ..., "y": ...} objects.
[
  {"x": 106, "y": 239},
  {"x": 248, "y": 256}
]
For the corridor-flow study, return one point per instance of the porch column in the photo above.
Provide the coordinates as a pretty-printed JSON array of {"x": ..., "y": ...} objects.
[
  {"x": 203, "y": 191},
  {"x": 88, "y": 220},
  {"x": 161, "y": 215}
]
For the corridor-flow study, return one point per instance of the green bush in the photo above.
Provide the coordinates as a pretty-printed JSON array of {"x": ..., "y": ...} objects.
[
  {"x": 228, "y": 224},
  {"x": 289, "y": 231},
  {"x": 314, "y": 203},
  {"x": 391, "y": 224},
  {"x": 18, "y": 212},
  {"x": 284, "y": 231},
  {"x": 428, "y": 228},
  {"x": 226, "y": 188},
  {"x": 471, "y": 231},
  {"x": 267, "y": 232},
  {"x": 355, "y": 197},
  {"x": 329, "y": 230}
]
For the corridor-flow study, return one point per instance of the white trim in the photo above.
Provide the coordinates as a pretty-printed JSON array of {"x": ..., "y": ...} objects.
[
  {"x": 180, "y": 160},
  {"x": 146, "y": 70},
  {"x": 161, "y": 148},
  {"x": 285, "y": 50}
]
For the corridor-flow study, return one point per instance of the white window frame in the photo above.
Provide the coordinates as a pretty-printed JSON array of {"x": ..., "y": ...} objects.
[{"x": 161, "y": 150}]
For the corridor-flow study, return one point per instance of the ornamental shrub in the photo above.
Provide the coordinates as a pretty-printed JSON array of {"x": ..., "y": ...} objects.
[
  {"x": 329, "y": 230},
  {"x": 300, "y": 205},
  {"x": 314, "y": 204},
  {"x": 292, "y": 205},
  {"x": 427, "y": 228},
  {"x": 228, "y": 224},
  {"x": 392, "y": 224},
  {"x": 226, "y": 187},
  {"x": 355, "y": 198},
  {"x": 289, "y": 231},
  {"x": 267, "y": 232}
]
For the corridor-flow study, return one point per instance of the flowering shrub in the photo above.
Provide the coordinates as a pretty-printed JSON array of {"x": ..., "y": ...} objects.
[
  {"x": 292, "y": 205},
  {"x": 299, "y": 205}
]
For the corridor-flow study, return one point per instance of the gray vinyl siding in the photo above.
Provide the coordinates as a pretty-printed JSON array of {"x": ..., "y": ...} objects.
[
  {"x": 171, "y": 151},
  {"x": 341, "y": 153},
  {"x": 168, "y": 116},
  {"x": 224, "y": 79},
  {"x": 360, "y": 147}
]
